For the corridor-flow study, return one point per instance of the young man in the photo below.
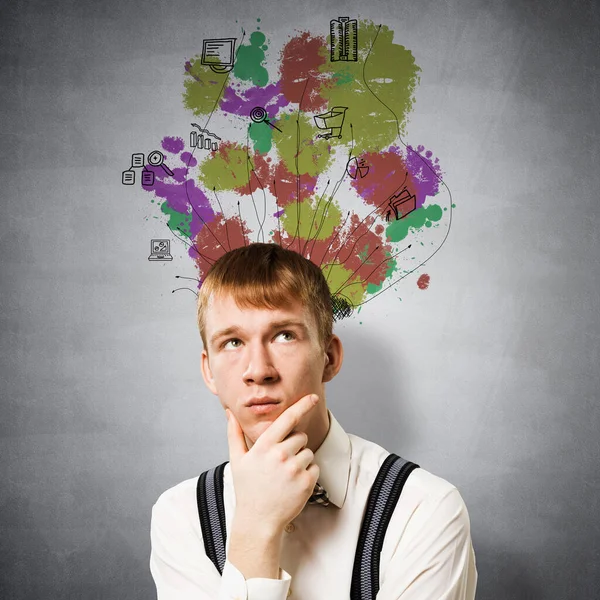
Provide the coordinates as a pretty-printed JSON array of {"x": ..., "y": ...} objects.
[{"x": 265, "y": 318}]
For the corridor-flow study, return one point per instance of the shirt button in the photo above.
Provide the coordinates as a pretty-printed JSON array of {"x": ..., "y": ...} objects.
[{"x": 290, "y": 528}]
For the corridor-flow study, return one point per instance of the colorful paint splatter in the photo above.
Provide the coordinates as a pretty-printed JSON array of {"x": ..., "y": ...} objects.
[{"x": 303, "y": 148}]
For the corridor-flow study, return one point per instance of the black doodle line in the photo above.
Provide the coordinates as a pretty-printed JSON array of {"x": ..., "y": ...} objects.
[
  {"x": 224, "y": 219},
  {"x": 190, "y": 278},
  {"x": 241, "y": 223},
  {"x": 206, "y": 131},
  {"x": 314, "y": 221},
  {"x": 340, "y": 307},
  {"x": 277, "y": 212},
  {"x": 335, "y": 189},
  {"x": 340, "y": 229},
  {"x": 365, "y": 261},
  {"x": 296, "y": 162},
  {"x": 185, "y": 288},
  {"x": 264, "y": 204},
  {"x": 206, "y": 225},
  {"x": 250, "y": 166},
  {"x": 182, "y": 239}
]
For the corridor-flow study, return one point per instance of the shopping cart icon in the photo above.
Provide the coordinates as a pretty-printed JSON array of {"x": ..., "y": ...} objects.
[{"x": 333, "y": 121}]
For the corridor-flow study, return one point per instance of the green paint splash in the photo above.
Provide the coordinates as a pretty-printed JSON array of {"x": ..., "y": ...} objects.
[
  {"x": 262, "y": 137},
  {"x": 375, "y": 287},
  {"x": 422, "y": 217},
  {"x": 249, "y": 61},
  {"x": 177, "y": 221}
]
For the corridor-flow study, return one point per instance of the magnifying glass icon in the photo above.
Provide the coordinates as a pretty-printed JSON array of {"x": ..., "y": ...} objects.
[
  {"x": 157, "y": 159},
  {"x": 259, "y": 115}
]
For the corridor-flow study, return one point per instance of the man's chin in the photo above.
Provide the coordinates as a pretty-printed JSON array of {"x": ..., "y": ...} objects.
[{"x": 259, "y": 428}]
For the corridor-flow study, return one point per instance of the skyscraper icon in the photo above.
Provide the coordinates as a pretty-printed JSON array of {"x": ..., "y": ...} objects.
[{"x": 344, "y": 39}]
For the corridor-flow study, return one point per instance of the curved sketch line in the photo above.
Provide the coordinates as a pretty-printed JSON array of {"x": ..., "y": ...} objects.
[{"x": 409, "y": 149}]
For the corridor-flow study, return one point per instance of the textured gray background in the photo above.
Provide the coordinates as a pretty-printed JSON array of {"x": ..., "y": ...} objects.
[{"x": 489, "y": 378}]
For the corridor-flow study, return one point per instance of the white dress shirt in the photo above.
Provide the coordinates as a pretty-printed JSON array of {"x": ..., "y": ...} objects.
[{"x": 427, "y": 553}]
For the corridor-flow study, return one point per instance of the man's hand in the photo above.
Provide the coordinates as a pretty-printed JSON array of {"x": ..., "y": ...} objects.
[{"x": 275, "y": 478}]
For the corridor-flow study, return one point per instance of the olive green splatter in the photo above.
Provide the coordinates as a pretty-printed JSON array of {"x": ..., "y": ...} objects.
[
  {"x": 341, "y": 281},
  {"x": 422, "y": 217},
  {"x": 299, "y": 131},
  {"x": 390, "y": 72},
  {"x": 177, "y": 221},
  {"x": 203, "y": 87},
  {"x": 227, "y": 169},
  {"x": 311, "y": 219},
  {"x": 249, "y": 61}
]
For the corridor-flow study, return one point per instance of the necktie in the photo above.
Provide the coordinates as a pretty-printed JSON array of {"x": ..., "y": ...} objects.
[{"x": 319, "y": 496}]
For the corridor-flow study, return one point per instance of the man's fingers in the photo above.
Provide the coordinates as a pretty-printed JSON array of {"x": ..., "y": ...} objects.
[
  {"x": 235, "y": 437},
  {"x": 287, "y": 420}
]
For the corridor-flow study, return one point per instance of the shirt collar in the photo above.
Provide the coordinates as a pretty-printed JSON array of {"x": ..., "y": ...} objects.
[{"x": 333, "y": 457}]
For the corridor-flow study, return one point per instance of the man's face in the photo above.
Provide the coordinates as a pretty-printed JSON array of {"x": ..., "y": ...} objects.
[{"x": 258, "y": 354}]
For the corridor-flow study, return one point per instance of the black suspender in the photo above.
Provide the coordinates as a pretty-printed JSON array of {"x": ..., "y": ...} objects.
[
  {"x": 211, "y": 510},
  {"x": 381, "y": 503},
  {"x": 382, "y": 500}
]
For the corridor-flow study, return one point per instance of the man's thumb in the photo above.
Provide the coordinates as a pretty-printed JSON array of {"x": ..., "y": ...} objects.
[{"x": 235, "y": 437}]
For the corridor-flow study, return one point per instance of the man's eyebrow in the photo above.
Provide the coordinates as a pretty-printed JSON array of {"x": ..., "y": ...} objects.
[
  {"x": 224, "y": 332},
  {"x": 289, "y": 323}
]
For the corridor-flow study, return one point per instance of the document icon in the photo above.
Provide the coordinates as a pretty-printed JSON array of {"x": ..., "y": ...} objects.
[{"x": 218, "y": 54}]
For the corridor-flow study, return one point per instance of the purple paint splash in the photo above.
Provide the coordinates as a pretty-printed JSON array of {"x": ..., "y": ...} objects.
[
  {"x": 269, "y": 97},
  {"x": 183, "y": 196},
  {"x": 174, "y": 145},
  {"x": 188, "y": 159},
  {"x": 425, "y": 170}
]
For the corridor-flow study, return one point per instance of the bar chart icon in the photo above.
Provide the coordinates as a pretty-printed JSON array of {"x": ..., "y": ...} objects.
[{"x": 204, "y": 139}]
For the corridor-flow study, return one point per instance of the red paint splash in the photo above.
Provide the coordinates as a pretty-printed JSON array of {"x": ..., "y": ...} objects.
[
  {"x": 301, "y": 79},
  {"x": 423, "y": 281},
  {"x": 388, "y": 174},
  {"x": 215, "y": 239},
  {"x": 276, "y": 177}
]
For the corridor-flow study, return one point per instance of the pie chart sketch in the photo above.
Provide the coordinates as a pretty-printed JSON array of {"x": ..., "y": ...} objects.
[{"x": 357, "y": 168}]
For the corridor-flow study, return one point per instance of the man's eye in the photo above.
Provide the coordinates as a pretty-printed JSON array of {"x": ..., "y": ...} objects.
[
  {"x": 286, "y": 336},
  {"x": 233, "y": 343}
]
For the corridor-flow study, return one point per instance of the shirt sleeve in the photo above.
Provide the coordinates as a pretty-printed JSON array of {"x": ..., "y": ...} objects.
[
  {"x": 182, "y": 571},
  {"x": 435, "y": 558}
]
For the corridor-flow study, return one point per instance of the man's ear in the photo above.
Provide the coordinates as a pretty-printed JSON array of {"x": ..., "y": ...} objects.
[
  {"x": 207, "y": 373},
  {"x": 334, "y": 356}
]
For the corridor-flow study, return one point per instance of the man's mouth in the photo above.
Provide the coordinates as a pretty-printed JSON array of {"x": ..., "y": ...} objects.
[{"x": 262, "y": 405}]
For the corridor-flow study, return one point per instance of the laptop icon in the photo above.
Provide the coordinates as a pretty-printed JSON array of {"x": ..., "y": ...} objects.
[{"x": 160, "y": 250}]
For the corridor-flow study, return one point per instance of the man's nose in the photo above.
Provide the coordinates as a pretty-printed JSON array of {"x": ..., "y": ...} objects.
[{"x": 260, "y": 367}]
